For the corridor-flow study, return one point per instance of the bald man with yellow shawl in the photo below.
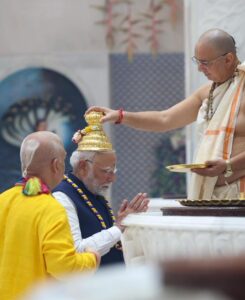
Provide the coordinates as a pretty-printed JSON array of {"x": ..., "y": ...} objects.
[{"x": 36, "y": 242}]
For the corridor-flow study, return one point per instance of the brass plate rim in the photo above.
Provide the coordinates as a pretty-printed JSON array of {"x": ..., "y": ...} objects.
[
  {"x": 208, "y": 203},
  {"x": 185, "y": 167}
]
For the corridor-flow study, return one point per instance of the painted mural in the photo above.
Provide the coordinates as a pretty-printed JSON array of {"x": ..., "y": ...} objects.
[{"x": 36, "y": 99}]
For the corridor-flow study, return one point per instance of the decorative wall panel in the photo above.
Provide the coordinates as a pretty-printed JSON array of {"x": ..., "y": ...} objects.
[{"x": 147, "y": 83}]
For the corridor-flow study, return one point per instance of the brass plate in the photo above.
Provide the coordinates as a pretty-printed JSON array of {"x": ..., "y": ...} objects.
[
  {"x": 185, "y": 167},
  {"x": 228, "y": 202}
]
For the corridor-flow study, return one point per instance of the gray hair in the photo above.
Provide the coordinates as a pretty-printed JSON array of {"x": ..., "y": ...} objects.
[{"x": 77, "y": 156}]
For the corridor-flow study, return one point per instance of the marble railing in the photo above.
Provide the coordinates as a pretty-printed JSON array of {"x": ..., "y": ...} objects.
[{"x": 153, "y": 237}]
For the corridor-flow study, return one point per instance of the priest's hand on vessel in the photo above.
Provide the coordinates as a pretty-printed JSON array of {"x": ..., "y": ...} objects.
[
  {"x": 110, "y": 115},
  {"x": 214, "y": 168},
  {"x": 138, "y": 204}
]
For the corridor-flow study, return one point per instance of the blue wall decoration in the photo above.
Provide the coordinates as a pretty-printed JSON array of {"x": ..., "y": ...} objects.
[{"x": 35, "y": 99}]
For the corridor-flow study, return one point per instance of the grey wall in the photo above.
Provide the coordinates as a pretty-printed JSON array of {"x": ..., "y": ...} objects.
[
  {"x": 144, "y": 84},
  {"x": 58, "y": 26}
]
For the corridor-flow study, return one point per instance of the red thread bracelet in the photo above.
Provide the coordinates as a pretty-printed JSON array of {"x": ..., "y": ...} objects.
[{"x": 120, "y": 116}]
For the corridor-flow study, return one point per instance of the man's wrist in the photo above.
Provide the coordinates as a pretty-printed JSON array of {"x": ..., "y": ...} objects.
[
  {"x": 120, "y": 227},
  {"x": 120, "y": 116},
  {"x": 228, "y": 171}
]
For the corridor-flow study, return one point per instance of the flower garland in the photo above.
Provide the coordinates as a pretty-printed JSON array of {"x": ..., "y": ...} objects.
[
  {"x": 33, "y": 186},
  {"x": 93, "y": 209},
  {"x": 77, "y": 137},
  {"x": 90, "y": 205}
]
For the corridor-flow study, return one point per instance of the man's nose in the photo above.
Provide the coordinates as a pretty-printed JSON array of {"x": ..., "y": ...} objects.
[
  {"x": 201, "y": 67},
  {"x": 111, "y": 177}
]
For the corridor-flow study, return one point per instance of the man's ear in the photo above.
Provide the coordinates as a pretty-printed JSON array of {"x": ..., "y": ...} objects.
[
  {"x": 55, "y": 165},
  {"x": 230, "y": 58},
  {"x": 83, "y": 167}
]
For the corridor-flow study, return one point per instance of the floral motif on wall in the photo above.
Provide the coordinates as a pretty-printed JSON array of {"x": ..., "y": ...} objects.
[{"x": 121, "y": 19}]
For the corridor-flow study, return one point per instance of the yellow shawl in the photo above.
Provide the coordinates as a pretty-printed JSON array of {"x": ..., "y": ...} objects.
[{"x": 35, "y": 243}]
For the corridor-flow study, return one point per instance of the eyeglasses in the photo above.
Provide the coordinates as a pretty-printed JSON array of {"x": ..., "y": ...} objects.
[
  {"x": 107, "y": 170},
  {"x": 206, "y": 63}
]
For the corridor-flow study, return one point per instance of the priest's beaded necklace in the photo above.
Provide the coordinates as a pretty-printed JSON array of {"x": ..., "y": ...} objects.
[{"x": 210, "y": 110}]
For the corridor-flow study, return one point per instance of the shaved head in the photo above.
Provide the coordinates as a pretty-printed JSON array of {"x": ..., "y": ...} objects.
[
  {"x": 37, "y": 151},
  {"x": 219, "y": 40}
]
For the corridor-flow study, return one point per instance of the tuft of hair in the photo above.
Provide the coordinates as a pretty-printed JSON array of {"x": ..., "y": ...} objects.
[
  {"x": 37, "y": 149},
  {"x": 27, "y": 152}
]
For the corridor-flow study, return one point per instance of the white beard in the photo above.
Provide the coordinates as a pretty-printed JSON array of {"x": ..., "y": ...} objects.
[
  {"x": 94, "y": 187},
  {"x": 102, "y": 191}
]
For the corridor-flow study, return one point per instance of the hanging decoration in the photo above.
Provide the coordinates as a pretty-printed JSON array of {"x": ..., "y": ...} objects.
[
  {"x": 108, "y": 21},
  {"x": 127, "y": 28},
  {"x": 120, "y": 20},
  {"x": 173, "y": 10},
  {"x": 153, "y": 25}
]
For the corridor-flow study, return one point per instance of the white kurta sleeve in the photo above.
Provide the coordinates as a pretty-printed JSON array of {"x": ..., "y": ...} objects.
[{"x": 101, "y": 241}]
